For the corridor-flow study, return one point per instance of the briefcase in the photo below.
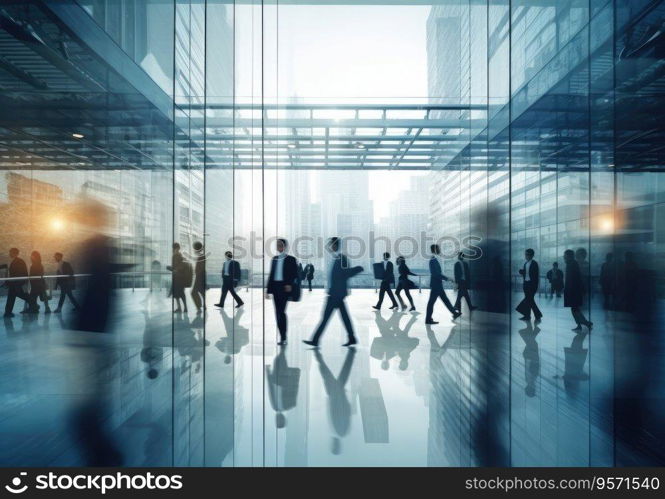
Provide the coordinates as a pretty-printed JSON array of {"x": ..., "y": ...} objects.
[{"x": 296, "y": 290}]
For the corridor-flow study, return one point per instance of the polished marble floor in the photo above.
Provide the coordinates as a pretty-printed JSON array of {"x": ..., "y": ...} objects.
[{"x": 214, "y": 390}]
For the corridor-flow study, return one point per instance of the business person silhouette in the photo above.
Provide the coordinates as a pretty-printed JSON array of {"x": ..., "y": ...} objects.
[
  {"x": 16, "y": 268},
  {"x": 283, "y": 383},
  {"x": 436, "y": 287},
  {"x": 463, "y": 280},
  {"x": 282, "y": 278},
  {"x": 37, "y": 284},
  {"x": 339, "y": 275},
  {"x": 178, "y": 280},
  {"x": 404, "y": 283},
  {"x": 530, "y": 278},
  {"x": 555, "y": 278},
  {"x": 65, "y": 281},
  {"x": 573, "y": 291},
  {"x": 387, "y": 280},
  {"x": 309, "y": 275},
  {"x": 230, "y": 279},
  {"x": 339, "y": 407},
  {"x": 199, "y": 287}
]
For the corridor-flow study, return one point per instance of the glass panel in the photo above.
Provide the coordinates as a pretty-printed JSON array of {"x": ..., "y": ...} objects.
[{"x": 486, "y": 128}]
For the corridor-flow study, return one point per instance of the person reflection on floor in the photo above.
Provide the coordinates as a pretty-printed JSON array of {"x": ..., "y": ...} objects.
[
  {"x": 237, "y": 336},
  {"x": 339, "y": 407},
  {"x": 531, "y": 356},
  {"x": 283, "y": 383},
  {"x": 574, "y": 359},
  {"x": 154, "y": 340},
  {"x": 393, "y": 340},
  {"x": 189, "y": 341}
]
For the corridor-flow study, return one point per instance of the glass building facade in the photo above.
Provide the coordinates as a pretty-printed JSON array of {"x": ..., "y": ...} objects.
[{"x": 489, "y": 126}]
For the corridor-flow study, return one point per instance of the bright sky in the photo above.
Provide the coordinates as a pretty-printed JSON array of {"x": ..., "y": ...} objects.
[{"x": 342, "y": 53}]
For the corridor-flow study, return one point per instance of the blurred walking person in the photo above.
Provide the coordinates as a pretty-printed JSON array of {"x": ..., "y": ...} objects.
[
  {"x": 436, "y": 287},
  {"x": 65, "y": 281},
  {"x": 573, "y": 291},
  {"x": 37, "y": 284},
  {"x": 338, "y": 278},
  {"x": 463, "y": 280},
  {"x": 404, "y": 283},
  {"x": 16, "y": 268},
  {"x": 199, "y": 287}
]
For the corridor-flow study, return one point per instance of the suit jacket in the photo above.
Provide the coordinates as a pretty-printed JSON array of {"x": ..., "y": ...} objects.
[
  {"x": 389, "y": 273},
  {"x": 309, "y": 271},
  {"x": 404, "y": 271},
  {"x": 234, "y": 271},
  {"x": 289, "y": 273},
  {"x": 37, "y": 286},
  {"x": 17, "y": 268},
  {"x": 68, "y": 279},
  {"x": 462, "y": 272},
  {"x": 534, "y": 273},
  {"x": 339, "y": 275},
  {"x": 573, "y": 290},
  {"x": 436, "y": 276}
]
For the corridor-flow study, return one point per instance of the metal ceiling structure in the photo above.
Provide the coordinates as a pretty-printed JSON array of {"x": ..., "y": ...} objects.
[{"x": 71, "y": 98}]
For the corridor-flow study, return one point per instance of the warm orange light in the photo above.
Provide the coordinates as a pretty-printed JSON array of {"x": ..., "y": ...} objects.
[
  {"x": 607, "y": 224},
  {"x": 57, "y": 224}
]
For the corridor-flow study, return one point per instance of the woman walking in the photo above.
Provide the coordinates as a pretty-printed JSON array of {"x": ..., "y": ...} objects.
[{"x": 404, "y": 283}]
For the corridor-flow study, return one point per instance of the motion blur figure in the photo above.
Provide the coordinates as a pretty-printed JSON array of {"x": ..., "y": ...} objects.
[
  {"x": 436, "y": 287},
  {"x": 37, "y": 284},
  {"x": 404, "y": 283},
  {"x": 16, "y": 268},
  {"x": 178, "y": 282},
  {"x": 199, "y": 287},
  {"x": 65, "y": 281},
  {"x": 90, "y": 412},
  {"x": 573, "y": 291},
  {"x": 338, "y": 289}
]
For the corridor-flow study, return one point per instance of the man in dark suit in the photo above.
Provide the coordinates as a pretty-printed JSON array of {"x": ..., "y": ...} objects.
[
  {"x": 387, "y": 281},
  {"x": 230, "y": 278},
  {"x": 436, "y": 287},
  {"x": 309, "y": 275},
  {"x": 65, "y": 283},
  {"x": 463, "y": 280},
  {"x": 283, "y": 274},
  {"x": 531, "y": 277},
  {"x": 16, "y": 268},
  {"x": 338, "y": 278}
]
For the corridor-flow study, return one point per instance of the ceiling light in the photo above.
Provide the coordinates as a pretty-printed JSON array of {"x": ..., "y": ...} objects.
[
  {"x": 78, "y": 135},
  {"x": 291, "y": 146},
  {"x": 360, "y": 146}
]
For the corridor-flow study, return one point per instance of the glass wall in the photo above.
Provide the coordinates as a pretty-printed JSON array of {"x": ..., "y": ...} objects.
[{"x": 487, "y": 127}]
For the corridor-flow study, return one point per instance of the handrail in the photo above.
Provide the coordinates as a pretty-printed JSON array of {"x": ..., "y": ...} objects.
[{"x": 64, "y": 276}]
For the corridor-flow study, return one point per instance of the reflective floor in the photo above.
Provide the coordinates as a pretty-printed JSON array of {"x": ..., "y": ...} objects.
[{"x": 161, "y": 393}]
